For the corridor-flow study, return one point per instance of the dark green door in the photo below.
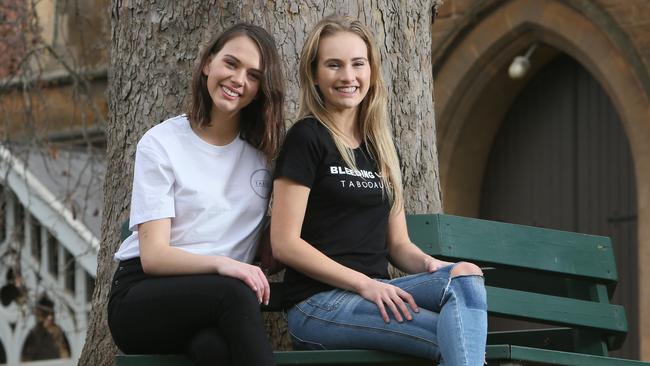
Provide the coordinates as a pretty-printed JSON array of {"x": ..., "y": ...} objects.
[{"x": 561, "y": 160}]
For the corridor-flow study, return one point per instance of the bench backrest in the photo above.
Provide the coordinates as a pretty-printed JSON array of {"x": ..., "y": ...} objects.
[{"x": 549, "y": 276}]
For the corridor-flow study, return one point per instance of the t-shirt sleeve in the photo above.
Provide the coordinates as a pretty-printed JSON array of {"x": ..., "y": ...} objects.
[
  {"x": 300, "y": 155},
  {"x": 153, "y": 184}
]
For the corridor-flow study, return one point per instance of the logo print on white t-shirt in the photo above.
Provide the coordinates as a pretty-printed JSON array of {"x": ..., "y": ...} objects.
[{"x": 261, "y": 183}]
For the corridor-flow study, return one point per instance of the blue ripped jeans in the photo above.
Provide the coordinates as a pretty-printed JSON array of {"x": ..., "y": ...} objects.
[{"x": 451, "y": 326}]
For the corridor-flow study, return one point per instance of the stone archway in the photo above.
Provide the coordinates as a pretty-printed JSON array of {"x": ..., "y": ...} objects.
[{"x": 473, "y": 93}]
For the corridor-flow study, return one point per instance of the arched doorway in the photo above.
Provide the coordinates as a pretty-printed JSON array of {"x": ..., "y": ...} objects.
[
  {"x": 473, "y": 94},
  {"x": 561, "y": 160}
]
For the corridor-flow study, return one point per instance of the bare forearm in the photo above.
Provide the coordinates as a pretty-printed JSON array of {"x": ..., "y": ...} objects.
[
  {"x": 168, "y": 260},
  {"x": 160, "y": 258},
  {"x": 408, "y": 257},
  {"x": 402, "y": 252}
]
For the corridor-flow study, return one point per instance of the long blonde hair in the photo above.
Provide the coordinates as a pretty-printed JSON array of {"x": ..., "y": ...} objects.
[{"x": 372, "y": 115}]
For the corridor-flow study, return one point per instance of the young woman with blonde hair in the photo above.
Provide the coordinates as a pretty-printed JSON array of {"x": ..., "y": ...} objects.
[{"x": 338, "y": 219}]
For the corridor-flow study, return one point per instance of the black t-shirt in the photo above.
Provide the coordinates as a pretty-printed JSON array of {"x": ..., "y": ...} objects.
[{"x": 347, "y": 210}]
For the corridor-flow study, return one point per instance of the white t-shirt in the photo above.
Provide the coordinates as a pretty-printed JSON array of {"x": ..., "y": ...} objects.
[{"x": 216, "y": 196}]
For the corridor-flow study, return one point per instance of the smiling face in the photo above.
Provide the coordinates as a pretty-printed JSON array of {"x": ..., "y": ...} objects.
[
  {"x": 342, "y": 71},
  {"x": 233, "y": 76}
]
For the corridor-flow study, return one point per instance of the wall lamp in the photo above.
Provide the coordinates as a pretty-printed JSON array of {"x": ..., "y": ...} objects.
[{"x": 521, "y": 64}]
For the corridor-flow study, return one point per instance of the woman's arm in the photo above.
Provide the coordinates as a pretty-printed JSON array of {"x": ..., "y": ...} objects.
[
  {"x": 160, "y": 258},
  {"x": 288, "y": 212},
  {"x": 403, "y": 253}
]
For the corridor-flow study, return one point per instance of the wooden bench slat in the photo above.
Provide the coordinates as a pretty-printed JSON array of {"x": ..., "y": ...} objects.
[
  {"x": 609, "y": 318},
  {"x": 558, "y": 339},
  {"x": 361, "y": 357},
  {"x": 551, "y": 357},
  {"x": 337, "y": 357},
  {"x": 497, "y": 352},
  {"x": 514, "y": 245}
]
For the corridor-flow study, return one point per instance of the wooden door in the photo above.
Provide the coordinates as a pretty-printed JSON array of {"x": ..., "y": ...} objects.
[{"x": 561, "y": 160}]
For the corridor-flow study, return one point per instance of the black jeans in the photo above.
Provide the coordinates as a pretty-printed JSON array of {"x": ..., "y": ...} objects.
[{"x": 215, "y": 319}]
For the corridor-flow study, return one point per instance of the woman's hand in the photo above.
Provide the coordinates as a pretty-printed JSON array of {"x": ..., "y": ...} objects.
[
  {"x": 431, "y": 264},
  {"x": 384, "y": 294},
  {"x": 249, "y": 274}
]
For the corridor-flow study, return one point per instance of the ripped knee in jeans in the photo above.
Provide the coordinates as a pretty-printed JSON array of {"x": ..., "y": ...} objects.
[{"x": 465, "y": 269}]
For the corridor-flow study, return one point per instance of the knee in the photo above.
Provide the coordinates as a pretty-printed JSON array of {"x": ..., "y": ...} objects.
[
  {"x": 466, "y": 269},
  {"x": 468, "y": 286}
]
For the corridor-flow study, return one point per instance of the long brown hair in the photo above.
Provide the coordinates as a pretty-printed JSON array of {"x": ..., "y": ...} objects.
[
  {"x": 261, "y": 122},
  {"x": 372, "y": 116}
]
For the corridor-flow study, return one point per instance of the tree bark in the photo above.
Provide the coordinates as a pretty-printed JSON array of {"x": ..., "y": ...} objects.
[{"x": 154, "y": 46}]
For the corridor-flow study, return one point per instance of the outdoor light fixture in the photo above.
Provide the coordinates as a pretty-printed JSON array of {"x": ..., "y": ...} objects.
[{"x": 521, "y": 64}]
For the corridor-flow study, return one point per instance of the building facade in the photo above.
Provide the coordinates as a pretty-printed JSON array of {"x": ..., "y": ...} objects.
[
  {"x": 49, "y": 230},
  {"x": 53, "y": 57}
]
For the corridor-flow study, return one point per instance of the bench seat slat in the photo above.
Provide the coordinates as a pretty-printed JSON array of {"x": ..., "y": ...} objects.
[
  {"x": 545, "y": 356},
  {"x": 331, "y": 357},
  {"x": 361, "y": 357},
  {"x": 522, "y": 246}
]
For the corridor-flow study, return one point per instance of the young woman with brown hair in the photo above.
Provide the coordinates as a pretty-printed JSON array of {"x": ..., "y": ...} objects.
[{"x": 200, "y": 194}]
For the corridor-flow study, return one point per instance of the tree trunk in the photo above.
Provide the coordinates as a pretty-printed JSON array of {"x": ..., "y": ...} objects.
[{"x": 154, "y": 46}]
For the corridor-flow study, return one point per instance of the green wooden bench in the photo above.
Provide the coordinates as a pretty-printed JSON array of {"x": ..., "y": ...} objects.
[{"x": 553, "y": 277}]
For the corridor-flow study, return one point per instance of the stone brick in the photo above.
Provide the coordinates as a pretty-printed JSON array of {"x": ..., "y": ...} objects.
[{"x": 633, "y": 17}]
